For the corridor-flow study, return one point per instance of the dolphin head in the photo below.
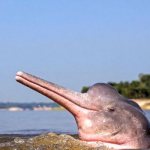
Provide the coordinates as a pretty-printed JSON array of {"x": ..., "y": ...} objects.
[{"x": 101, "y": 114}]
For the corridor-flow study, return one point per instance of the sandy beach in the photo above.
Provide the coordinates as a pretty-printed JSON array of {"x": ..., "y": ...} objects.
[{"x": 143, "y": 103}]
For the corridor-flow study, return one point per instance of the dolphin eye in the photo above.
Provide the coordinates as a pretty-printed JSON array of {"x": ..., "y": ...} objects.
[{"x": 110, "y": 109}]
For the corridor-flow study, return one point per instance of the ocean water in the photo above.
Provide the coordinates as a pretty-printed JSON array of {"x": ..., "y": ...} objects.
[{"x": 37, "y": 122}]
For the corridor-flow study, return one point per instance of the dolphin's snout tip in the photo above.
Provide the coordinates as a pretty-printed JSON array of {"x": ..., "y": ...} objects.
[
  {"x": 17, "y": 78},
  {"x": 18, "y": 74}
]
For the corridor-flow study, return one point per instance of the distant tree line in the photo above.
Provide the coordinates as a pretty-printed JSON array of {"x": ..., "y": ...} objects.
[{"x": 135, "y": 89}]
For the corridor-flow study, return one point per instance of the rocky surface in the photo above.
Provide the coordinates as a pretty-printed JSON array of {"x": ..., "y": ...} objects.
[{"x": 49, "y": 141}]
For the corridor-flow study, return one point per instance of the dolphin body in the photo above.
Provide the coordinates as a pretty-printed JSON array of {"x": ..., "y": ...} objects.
[{"x": 102, "y": 114}]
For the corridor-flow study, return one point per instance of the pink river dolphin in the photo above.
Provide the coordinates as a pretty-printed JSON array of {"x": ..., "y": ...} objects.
[{"x": 102, "y": 114}]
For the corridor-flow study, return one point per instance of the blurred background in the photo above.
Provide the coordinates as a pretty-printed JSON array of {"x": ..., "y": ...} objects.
[{"x": 72, "y": 43}]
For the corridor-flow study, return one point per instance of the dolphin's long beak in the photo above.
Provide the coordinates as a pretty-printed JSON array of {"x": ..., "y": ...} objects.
[{"x": 72, "y": 101}]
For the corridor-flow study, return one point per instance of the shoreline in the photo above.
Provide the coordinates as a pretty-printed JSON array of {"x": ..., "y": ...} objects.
[{"x": 143, "y": 103}]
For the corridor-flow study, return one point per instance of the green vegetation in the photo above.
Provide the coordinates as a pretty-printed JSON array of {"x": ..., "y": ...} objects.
[{"x": 135, "y": 89}]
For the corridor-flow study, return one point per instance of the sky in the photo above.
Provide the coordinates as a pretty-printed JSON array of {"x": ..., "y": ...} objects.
[{"x": 72, "y": 43}]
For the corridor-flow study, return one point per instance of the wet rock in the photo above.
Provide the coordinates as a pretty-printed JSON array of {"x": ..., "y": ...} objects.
[
  {"x": 50, "y": 141},
  {"x": 19, "y": 140}
]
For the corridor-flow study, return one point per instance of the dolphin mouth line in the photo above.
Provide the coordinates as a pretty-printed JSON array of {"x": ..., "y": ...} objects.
[
  {"x": 102, "y": 137},
  {"x": 32, "y": 84},
  {"x": 111, "y": 133},
  {"x": 116, "y": 132},
  {"x": 106, "y": 134}
]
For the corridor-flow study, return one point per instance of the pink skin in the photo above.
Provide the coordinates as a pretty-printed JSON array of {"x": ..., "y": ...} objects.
[{"x": 102, "y": 115}]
